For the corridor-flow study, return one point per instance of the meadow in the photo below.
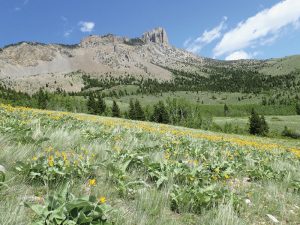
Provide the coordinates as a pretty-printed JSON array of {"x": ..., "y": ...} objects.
[
  {"x": 68, "y": 168},
  {"x": 276, "y": 123}
]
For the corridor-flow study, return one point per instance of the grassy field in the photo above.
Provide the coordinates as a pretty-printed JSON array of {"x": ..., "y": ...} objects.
[
  {"x": 276, "y": 123},
  {"x": 96, "y": 170}
]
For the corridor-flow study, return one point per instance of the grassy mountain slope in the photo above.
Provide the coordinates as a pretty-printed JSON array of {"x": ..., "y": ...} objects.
[
  {"x": 282, "y": 66},
  {"x": 143, "y": 173}
]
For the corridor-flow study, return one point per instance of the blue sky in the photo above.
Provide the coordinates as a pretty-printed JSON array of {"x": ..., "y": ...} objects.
[{"x": 219, "y": 29}]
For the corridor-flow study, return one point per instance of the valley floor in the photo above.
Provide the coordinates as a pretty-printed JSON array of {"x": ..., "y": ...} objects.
[{"x": 141, "y": 172}]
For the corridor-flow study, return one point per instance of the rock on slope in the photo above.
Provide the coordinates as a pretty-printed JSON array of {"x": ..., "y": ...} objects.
[{"x": 28, "y": 66}]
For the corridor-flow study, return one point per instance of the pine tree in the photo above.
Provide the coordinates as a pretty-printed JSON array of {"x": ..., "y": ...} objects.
[
  {"x": 298, "y": 109},
  {"x": 91, "y": 104},
  {"x": 160, "y": 113},
  {"x": 115, "y": 109},
  {"x": 264, "y": 128},
  {"x": 254, "y": 122},
  {"x": 139, "y": 113},
  {"x": 132, "y": 112},
  {"x": 226, "y": 110},
  {"x": 257, "y": 124},
  {"x": 100, "y": 105},
  {"x": 42, "y": 98}
]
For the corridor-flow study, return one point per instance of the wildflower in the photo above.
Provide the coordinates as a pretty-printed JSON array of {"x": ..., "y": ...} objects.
[
  {"x": 51, "y": 161},
  {"x": 64, "y": 156},
  {"x": 226, "y": 176},
  {"x": 92, "y": 182},
  {"x": 34, "y": 158},
  {"x": 102, "y": 200}
]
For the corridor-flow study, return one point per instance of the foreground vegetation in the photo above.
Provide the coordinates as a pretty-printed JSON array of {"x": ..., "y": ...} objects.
[{"x": 97, "y": 170}]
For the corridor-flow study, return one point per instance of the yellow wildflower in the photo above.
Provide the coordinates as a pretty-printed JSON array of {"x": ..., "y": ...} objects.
[
  {"x": 102, "y": 200},
  {"x": 92, "y": 182},
  {"x": 51, "y": 161},
  {"x": 34, "y": 158}
]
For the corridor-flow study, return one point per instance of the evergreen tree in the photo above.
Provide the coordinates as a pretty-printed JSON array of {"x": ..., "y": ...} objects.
[
  {"x": 264, "y": 128},
  {"x": 298, "y": 109},
  {"x": 42, "y": 99},
  {"x": 160, "y": 113},
  {"x": 91, "y": 104},
  {"x": 139, "y": 112},
  {"x": 100, "y": 105},
  {"x": 226, "y": 110},
  {"x": 132, "y": 112},
  {"x": 258, "y": 124},
  {"x": 115, "y": 109},
  {"x": 254, "y": 123}
]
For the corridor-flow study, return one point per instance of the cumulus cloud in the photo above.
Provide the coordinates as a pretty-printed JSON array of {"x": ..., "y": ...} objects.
[
  {"x": 86, "y": 26},
  {"x": 259, "y": 28},
  {"x": 206, "y": 38},
  {"x": 238, "y": 55}
]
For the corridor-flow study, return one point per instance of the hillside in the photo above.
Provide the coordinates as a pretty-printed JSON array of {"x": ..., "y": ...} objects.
[
  {"x": 28, "y": 66},
  {"x": 131, "y": 172}
]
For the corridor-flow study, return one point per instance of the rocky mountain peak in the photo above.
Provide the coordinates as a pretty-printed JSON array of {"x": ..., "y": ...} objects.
[{"x": 157, "y": 35}]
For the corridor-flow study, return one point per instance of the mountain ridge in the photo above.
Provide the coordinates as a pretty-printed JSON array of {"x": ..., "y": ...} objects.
[{"x": 28, "y": 66}]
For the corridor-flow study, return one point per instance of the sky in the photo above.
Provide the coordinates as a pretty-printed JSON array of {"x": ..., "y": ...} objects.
[{"x": 231, "y": 29}]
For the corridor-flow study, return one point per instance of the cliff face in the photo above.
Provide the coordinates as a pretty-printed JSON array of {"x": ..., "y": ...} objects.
[
  {"x": 157, "y": 35},
  {"x": 28, "y": 66}
]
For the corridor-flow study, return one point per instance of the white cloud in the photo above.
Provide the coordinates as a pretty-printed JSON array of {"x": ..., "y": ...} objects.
[
  {"x": 206, "y": 38},
  {"x": 238, "y": 55},
  {"x": 86, "y": 26},
  {"x": 260, "y": 27},
  {"x": 17, "y": 8}
]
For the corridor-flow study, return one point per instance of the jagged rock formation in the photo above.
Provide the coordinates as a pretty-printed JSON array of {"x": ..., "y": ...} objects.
[
  {"x": 28, "y": 66},
  {"x": 157, "y": 35}
]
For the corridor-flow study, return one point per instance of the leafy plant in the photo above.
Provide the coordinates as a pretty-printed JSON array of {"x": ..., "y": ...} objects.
[
  {"x": 2, "y": 176},
  {"x": 55, "y": 166},
  {"x": 63, "y": 208},
  {"x": 195, "y": 199}
]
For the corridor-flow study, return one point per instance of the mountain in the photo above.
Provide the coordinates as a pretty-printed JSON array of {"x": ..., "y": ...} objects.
[{"x": 27, "y": 66}]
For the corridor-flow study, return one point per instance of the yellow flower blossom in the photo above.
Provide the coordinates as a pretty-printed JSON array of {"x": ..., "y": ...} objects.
[
  {"x": 51, "y": 161},
  {"x": 102, "y": 200},
  {"x": 92, "y": 182}
]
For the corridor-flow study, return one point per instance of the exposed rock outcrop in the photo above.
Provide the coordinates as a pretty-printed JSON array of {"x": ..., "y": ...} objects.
[
  {"x": 29, "y": 66},
  {"x": 157, "y": 35}
]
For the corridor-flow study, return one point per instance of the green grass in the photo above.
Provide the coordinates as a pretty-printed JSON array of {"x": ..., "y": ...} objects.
[
  {"x": 151, "y": 173},
  {"x": 276, "y": 123},
  {"x": 208, "y": 98}
]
